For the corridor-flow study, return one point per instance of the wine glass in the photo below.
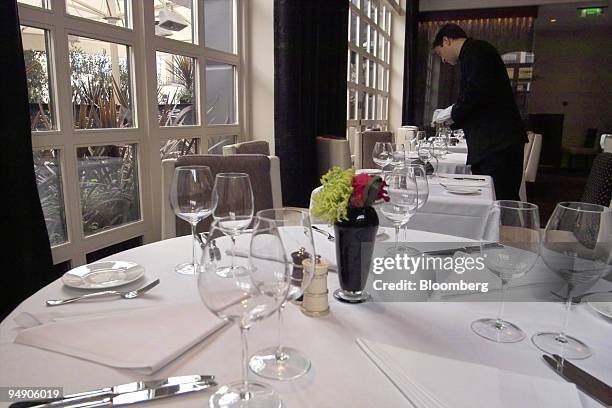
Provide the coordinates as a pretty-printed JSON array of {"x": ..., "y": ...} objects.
[
  {"x": 403, "y": 200},
  {"x": 192, "y": 200},
  {"x": 399, "y": 155},
  {"x": 293, "y": 228},
  {"x": 382, "y": 154},
  {"x": 439, "y": 149},
  {"x": 510, "y": 247},
  {"x": 244, "y": 299},
  {"x": 420, "y": 175},
  {"x": 577, "y": 246},
  {"x": 234, "y": 210}
]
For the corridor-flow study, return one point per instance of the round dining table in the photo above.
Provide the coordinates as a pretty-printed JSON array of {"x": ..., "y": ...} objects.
[{"x": 341, "y": 374}]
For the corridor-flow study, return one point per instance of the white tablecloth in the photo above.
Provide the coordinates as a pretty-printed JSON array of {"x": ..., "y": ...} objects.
[
  {"x": 341, "y": 375},
  {"x": 453, "y": 163},
  {"x": 460, "y": 147},
  {"x": 447, "y": 213}
]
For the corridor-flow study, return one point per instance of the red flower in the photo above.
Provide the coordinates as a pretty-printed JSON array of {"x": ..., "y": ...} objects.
[
  {"x": 360, "y": 182},
  {"x": 366, "y": 190}
]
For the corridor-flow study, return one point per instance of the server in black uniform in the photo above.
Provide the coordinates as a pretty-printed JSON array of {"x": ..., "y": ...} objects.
[{"x": 485, "y": 110}]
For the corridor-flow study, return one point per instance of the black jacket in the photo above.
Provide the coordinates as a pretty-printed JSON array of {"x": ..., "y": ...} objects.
[{"x": 485, "y": 108}]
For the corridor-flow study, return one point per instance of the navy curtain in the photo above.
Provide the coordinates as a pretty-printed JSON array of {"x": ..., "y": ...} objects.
[
  {"x": 26, "y": 255},
  {"x": 310, "y": 57}
]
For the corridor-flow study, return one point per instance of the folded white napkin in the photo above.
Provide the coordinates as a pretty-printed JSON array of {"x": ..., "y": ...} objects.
[
  {"x": 144, "y": 339},
  {"x": 429, "y": 381}
]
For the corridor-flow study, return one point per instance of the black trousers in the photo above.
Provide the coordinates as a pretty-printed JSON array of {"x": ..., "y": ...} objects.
[{"x": 506, "y": 168}]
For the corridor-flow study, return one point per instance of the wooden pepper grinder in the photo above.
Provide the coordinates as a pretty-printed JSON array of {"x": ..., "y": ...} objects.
[{"x": 315, "y": 301}]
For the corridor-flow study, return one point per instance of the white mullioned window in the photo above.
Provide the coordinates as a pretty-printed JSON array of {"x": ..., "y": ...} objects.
[
  {"x": 115, "y": 86},
  {"x": 369, "y": 45}
]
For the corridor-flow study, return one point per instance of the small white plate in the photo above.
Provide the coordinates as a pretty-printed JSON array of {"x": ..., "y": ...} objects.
[
  {"x": 604, "y": 308},
  {"x": 461, "y": 190},
  {"x": 102, "y": 275}
]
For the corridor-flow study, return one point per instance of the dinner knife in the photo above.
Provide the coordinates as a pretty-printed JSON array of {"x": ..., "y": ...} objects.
[
  {"x": 136, "y": 397},
  {"x": 467, "y": 249},
  {"x": 588, "y": 384},
  {"x": 134, "y": 386}
]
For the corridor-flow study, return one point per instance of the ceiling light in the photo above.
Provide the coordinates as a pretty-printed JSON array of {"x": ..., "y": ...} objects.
[
  {"x": 171, "y": 20},
  {"x": 553, "y": 20}
]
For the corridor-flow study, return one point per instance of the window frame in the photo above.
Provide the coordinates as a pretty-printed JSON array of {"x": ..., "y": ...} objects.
[{"x": 139, "y": 36}]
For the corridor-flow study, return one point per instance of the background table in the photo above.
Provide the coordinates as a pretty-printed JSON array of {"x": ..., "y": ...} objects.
[
  {"x": 460, "y": 147},
  {"x": 341, "y": 374},
  {"x": 448, "y": 213},
  {"x": 453, "y": 163}
]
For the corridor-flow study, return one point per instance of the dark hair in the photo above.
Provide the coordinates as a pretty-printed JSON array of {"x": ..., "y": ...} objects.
[{"x": 449, "y": 30}]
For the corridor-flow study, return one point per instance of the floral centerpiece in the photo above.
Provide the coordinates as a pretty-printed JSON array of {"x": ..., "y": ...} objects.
[{"x": 346, "y": 200}]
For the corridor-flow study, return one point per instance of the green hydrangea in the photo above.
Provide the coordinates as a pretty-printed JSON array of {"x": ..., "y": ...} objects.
[{"x": 332, "y": 201}]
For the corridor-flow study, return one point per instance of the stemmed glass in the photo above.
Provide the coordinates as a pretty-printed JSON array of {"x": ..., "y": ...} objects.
[
  {"x": 244, "y": 299},
  {"x": 403, "y": 200},
  {"x": 234, "y": 210},
  {"x": 192, "y": 200},
  {"x": 399, "y": 155},
  {"x": 424, "y": 151},
  {"x": 439, "y": 149},
  {"x": 420, "y": 176},
  {"x": 293, "y": 228},
  {"x": 577, "y": 246},
  {"x": 510, "y": 247},
  {"x": 382, "y": 154}
]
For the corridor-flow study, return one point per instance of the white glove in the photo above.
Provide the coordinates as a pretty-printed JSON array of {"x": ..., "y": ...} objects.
[
  {"x": 443, "y": 116},
  {"x": 434, "y": 119}
]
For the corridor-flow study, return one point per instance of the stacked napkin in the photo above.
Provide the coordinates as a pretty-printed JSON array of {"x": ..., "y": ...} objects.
[
  {"x": 144, "y": 340},
  {"x": 429, "y": 381}
]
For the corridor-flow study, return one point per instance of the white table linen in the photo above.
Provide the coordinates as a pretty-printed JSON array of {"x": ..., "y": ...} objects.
[
  {"x": 448, "y": 213},
  {"x": 453, "y": 163},
  {"x": 418, "y": 376},
  {"x": 460, "y": 147},
  {"x": 341, "y": 374}
]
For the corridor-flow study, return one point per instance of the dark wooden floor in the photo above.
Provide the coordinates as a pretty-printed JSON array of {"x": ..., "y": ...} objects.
[{"x": 552, "y": 187}]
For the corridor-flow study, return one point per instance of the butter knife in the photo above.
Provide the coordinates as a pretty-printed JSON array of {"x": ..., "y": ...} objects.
[
  {"x": 588, "y": 384},
  {"x": 73, "y": 399},
  {"x": 467, "y": 249},
  {"x": 136, "y": 397}
]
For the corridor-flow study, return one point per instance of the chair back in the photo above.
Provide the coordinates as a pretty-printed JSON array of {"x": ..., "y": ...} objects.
[
  {"x": 264, "y": 172},
  {"x": 606, "y": 142},
  {"x": 598, "y": 189},
  {"x": 250, "y": 147},
  {"x": 534, "y": 158},
  {"x": 405, "y": 134},
  {"x": 365, "y": 144},
  {"x": 332, "y": 153},
  {"x": 527, "y": 150}
]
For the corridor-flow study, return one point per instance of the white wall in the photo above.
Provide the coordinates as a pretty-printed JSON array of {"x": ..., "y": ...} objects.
[
  {"x": 574, "y": 66},
  {"x": 396, "y": 78},
  {"x": 260, "y": 71}
]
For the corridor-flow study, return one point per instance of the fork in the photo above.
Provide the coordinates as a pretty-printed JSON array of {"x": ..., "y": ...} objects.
[
  {"x": 330, "y": 237},
  {"x": 125, "y": 294}
]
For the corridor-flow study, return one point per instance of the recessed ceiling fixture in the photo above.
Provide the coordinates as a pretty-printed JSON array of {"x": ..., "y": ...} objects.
[{"x": 553, "y": 20}]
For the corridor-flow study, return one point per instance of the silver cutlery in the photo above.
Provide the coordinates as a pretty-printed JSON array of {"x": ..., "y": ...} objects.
[
  {"x": 124, "y": 294},
  {"x": 462, "y": 178},
  {"x": 578, "y": 299},
  {"x": 80, "y": 398},
  {"x": 134, "y": 397},
  {"x": 451, "y": 187},
  {"x": 588, "y": 384},
  {"x": 329, "y": 236},
  {"x": 243, "y": 254}
]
